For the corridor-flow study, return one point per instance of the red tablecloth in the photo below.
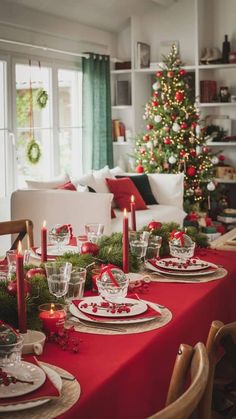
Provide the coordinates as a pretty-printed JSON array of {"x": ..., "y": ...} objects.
[{"x": 127, "y": 376}]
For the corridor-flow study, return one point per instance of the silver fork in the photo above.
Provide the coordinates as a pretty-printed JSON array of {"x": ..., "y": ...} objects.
[{"x": 95, "y": 325}]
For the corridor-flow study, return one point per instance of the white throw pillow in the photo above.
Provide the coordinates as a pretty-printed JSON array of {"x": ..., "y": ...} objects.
[
  {"x": 100, "y": 179},
  {"x": 49, "y": 184},
  {"x": 85, "y": 180},
  {"x": 116, "y": 171},
  {"x": 168, "y": 189}
]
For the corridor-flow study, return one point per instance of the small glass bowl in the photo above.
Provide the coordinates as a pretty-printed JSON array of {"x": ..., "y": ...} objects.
[
  {"x": 182, "y": 252},
  {"x": 111, "y": 292},
  {"x": 10, "y": 354}
]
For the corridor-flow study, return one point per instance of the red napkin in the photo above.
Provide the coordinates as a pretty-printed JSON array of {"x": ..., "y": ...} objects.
[
  {"x": 46, "y": 391},
  {"x": 150, "y": 312},
  {"x": 153, "y": 262}
]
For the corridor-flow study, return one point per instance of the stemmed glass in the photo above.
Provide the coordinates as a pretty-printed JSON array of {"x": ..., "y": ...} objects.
[
  {"x": 58, "y": 277},
  {"x": 59, "y": 235}
]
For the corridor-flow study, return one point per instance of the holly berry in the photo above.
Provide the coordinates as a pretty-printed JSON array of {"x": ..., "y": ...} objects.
[
  {"x": 182, "y": 72},
  {"x": 89, "y": 248},
  {"x": 154, "y": 225},
  {"x": 179, "y": 96},
  {"x": 167, "y": 140},
  {"x": 184, "y": 125},
  {"x": 170, "y": 74},
  {"x": 159, "y": 73},
  {"x": 146, "y": 137},
  {"x": 149, "y": 126},
  {"x": 191, "y": 171},
  {"x": 12, "y": 288},
  {"x": 139, "y": 169}
]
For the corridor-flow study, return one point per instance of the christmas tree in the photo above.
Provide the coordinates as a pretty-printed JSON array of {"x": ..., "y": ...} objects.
[{"x": 174, "y": 141}]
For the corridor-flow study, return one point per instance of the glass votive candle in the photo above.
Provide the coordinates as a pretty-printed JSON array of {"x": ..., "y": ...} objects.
[{"x": 53, "y": 317}]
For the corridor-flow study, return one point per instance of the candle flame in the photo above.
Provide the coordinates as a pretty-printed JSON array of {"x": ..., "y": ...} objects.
[
  {"x": 19, "y": 248},
  {"x": 52, "y": 308},
  {"x": 44, "y": 223},
  {"x": 125, "y": 212},
  {"x": 132, "y": 198}
]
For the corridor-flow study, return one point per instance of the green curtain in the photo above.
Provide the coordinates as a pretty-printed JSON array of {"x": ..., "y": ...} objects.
[{"x": 97, "y": 122}]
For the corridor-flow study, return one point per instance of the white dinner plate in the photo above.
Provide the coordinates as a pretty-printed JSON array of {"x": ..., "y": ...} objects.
[
  {"x": 176, "y": 264},
  {"x": 77, "y": 313},
  {"x": 88, "y": 303},
  {"x": 56, "y": 380},
  {"x": 178, "y": 273},
  {"x": 25, "y": 371},
  {"x": 53, "y": 250}
]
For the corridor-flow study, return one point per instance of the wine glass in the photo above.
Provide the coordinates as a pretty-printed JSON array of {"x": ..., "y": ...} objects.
[
  {"x": 59, "y": 235},
  {"x": 94, "y": 231},
  {"x": 58, "y": 277}
]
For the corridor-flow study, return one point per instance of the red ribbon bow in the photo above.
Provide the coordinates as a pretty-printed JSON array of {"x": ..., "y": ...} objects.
[
  {"x": 107, "y": 269},
  {"x": 178, "y": 235},
  {"x": 64, "y": 228}
]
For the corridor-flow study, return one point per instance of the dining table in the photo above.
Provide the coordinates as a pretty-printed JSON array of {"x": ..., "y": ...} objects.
[{"x": 126, "y": 375}]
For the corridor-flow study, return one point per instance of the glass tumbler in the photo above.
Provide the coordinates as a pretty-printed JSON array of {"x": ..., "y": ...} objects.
[
  {"x": 154, "y": 245},
  {"x": 76, "y": 284}
]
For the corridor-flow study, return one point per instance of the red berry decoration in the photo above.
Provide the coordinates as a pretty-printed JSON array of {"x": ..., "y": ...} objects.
[
  {"x": 12, "y": 288},
  {"x": 182, "y": 72},
  {"x": 221, "y": 157},
  {"x": 193, "y": 152},
  {"x": 146, "y": 137},
  {"x": 89, "y": 248},
  {"x": 154, "y": 103},
  {"x": 154, "y": 225},
  {"x": 179, "y": 96},
  {"x": 170, "y": 74},
  {"x": 159, "y": 73},
  {"x": 149, "y": 126},
  {"x": 139, "y": 169},
  {"x": 184, "y": 125},
  {"x": 191, "y": 171},
  {"x": 167, "y": 140}
]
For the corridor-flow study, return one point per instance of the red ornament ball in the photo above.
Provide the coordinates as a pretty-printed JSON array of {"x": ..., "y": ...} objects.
[
  {"x": 146, "y": 137},
  {"x": 155, "y": 94},
  {"x": 191, "y": 171},
  {"x": 139, "y": 169},
  {"x": 154, "y": 225},
  {"x": 205, "y": 149},
  {"x": 167, "y": 140},
  {"x": 179, "y": 96},
  {"x": 192, "y": 152},
  {"x": 12, "y": 287},
  {"x": 184, "y": 125},
  {"x": 170, "y": 74},
  {"x": 154, "y": 103},
  {"x": 182, "y": 72},
  {"x": 149, "y": 126},
  {"x": 193, "y": 125},
  {"x": 173, "y": 117},
  {"x": 182, "y": 153},
  {"x": 221, "y": 157},
  {"x": 35, "y": 271},
  {"x": 159, "y": 73},
  {"x": 89, "y": 248}
]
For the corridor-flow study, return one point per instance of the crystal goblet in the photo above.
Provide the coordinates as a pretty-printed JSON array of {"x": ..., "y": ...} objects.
[{"x": 58, "y": 277}]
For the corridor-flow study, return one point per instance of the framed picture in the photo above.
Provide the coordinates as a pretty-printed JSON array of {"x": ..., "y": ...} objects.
[
  {"x": 143, "y": 55},
  {"x": 123, "y": 96}
]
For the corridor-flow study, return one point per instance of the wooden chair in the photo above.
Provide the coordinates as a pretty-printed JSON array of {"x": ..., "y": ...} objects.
[
  {"x": 216, "y": 340},
  {"x": 22, "y": 228},
  {"x": 181, "y": 403}
]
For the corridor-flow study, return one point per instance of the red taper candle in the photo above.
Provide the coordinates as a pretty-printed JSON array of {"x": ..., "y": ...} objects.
[
  {"x": 21, "y": 307},
  {"x": 44, "y": 243},
  {"x": 133, "y": 214},
  {"x": 125, "y": 243}
]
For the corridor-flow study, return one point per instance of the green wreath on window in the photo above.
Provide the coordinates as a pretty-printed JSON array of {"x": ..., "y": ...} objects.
[
  {"x": 42, "y": 98},
  {"x": 33, "y": 152}
]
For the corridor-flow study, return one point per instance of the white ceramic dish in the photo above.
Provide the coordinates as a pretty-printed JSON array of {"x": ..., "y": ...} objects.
[
  {"x": 176, "y": 264},
  {"x": 165, "y": 272},
  {"x": 77, "y": 313},
  {"x": 25, "y": 371},
  {"x": 53, "y": 250},
  {"x": 135, "y": 306},
  {"x": 54, "y": 377}
]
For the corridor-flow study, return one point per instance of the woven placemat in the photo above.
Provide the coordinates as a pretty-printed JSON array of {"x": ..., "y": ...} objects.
[
  {"x": 146, "y": 326},
  {"x": 156, "y": 277},
  {"x": 69, "y": 395}
]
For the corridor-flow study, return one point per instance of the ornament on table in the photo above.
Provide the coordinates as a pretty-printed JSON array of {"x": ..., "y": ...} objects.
[
  {"x": 35, "y": 271},
  {"x": 12, "y": 288},
  {"x": 157, "y": 118},
  {"x": 211, "y": 186},
  {"x": 139, "y": 169},
  {"x": 179, "y": 96},
  {"x": 172, "y": 160},
  {"x": 89, "y": 248},
  {"x": 176, "y": 127},
  {"x": 154, "y": 225},
  {"x": 215, "y": 160},
  {"x": 191, "y": 171}
]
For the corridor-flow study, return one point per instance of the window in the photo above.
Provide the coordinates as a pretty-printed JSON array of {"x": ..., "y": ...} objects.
[{"x": 3, "y": 130}]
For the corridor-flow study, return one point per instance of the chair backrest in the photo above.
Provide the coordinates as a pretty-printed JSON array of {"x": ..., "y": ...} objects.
[
  {"x": 191, "y": 363},
  {"x": 22, "y": 228},
  {"x": 218, "y": 331}
]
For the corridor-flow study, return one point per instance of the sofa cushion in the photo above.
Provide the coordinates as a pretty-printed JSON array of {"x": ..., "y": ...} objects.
[
  {"x": 168, "y": 189},
  {"x": 142, "y": 184},
  {"x": 48, "y": 184},
  {"x": 68, "y": 186},
  {"x": 123, "y": 189}
]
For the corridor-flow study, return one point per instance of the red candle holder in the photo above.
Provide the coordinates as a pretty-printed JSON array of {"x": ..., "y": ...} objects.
[{"x": 53, "y": 317}]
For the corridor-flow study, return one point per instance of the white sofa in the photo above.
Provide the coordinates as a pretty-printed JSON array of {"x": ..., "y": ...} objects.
[{"x": 78, "y": 208}]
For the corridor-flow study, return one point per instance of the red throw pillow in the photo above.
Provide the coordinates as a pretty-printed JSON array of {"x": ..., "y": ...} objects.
[
  {"x": 123, "y": 189},
  {"x": 67, "y": 186}
]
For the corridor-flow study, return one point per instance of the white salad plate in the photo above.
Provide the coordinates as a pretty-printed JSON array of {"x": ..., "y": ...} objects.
[
  {"x": 135, "y": 306},
  {"x": 210, "y": 270},
  {"x": 24, "y": 371},
  {"x": 56, "y": 380},
  {"x": 53, "y": 250},
  {"x": 176, "y": 264}
]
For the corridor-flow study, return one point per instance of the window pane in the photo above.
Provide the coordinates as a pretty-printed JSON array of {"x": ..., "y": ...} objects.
[
  {"x": 3, "y": 130},
  {"x": 32, "y": 121},
  {"x": 70, "y": 117}
]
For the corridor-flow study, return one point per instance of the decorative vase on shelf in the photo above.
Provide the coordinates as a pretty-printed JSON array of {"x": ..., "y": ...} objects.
[{"x": 225, "y": 50}]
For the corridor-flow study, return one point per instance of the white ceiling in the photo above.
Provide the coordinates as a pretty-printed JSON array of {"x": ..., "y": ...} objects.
[{"x": 110, "y": 15}]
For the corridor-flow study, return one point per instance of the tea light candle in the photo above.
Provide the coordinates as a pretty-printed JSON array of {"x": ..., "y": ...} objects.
[
  {"x": 21, "y": 308},
  {"x": 44, "y": 243},
  {"x": 133, "y": 214},
  {"x": 53, "y": 317},
  {"x": 125, "y": 244}
]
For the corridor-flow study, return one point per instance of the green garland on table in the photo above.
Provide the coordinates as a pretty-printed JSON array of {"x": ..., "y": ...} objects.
[{"x": 33, "y": 152}]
